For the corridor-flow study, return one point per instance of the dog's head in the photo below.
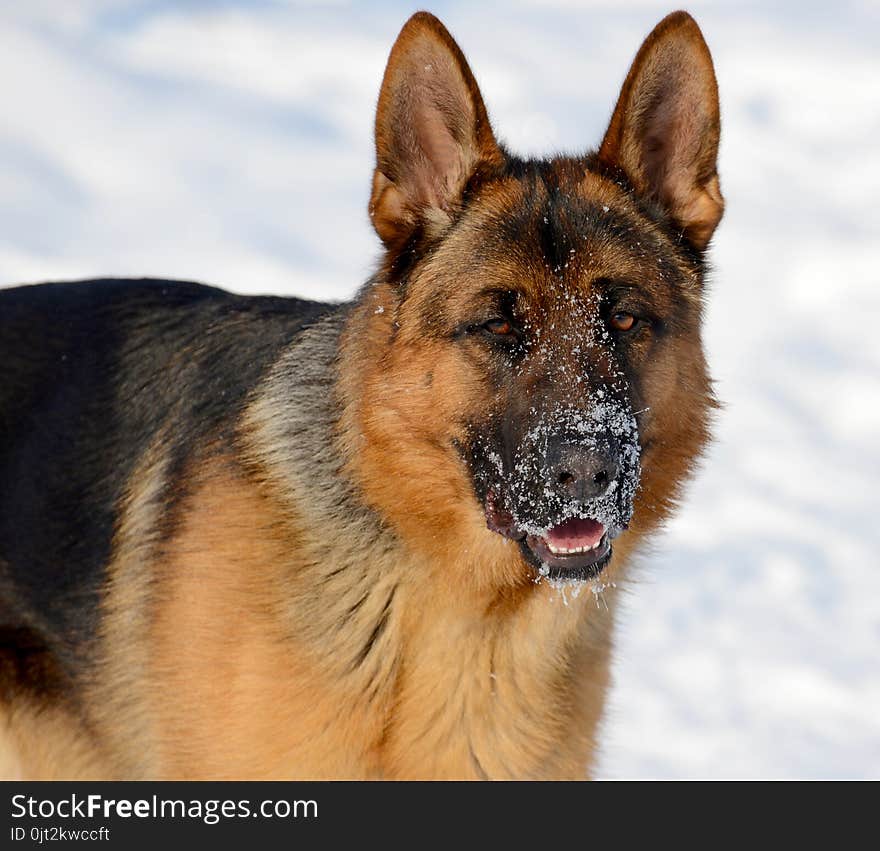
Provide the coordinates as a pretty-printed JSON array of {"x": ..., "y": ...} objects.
[{"x": 536, "y": 381}]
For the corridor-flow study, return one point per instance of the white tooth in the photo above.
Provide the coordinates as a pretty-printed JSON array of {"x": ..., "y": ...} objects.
[{"x": 568, "y": 551}]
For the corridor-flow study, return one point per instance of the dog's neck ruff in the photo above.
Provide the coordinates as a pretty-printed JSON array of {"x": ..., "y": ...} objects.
[{"x": 292, "y": 430}]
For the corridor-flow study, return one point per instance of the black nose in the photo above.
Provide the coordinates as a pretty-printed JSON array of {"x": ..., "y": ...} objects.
[{"x": 580, "y": 472}]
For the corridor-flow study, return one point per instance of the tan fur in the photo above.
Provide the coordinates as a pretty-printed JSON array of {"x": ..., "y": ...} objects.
[
  {"x": 227, "y": 665},
  {"x": 42, "y": 740},
  {"x": 118, "y": 693},
  {"x": 234, "y": 687}
]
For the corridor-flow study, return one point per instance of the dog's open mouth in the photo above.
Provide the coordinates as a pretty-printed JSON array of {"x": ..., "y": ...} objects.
[{"x": 577, "y": 548}]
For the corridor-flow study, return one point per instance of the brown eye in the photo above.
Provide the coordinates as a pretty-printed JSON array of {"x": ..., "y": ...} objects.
[
  {"x": 502, "y": 327},
  {"x": 622, "y": 321}
]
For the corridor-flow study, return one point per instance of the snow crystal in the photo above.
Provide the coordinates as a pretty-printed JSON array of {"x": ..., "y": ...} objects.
[
  {"x": 566, "y": 588},
  {"x": 598, "y": 587}
]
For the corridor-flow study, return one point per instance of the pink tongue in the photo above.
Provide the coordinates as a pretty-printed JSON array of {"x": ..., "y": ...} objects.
[{"x": 575, "y": 534}]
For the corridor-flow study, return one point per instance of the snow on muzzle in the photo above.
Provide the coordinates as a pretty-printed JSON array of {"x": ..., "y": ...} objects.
[{"x": 567, "y": 489}]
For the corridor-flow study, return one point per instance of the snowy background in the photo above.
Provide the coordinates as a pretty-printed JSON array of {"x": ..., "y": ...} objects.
[{"x": 231, "y": 143}]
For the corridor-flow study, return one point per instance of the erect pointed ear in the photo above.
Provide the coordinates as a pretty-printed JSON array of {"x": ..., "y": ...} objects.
[
  {"x": 665, "y": 128},
  {"x": 432, "y": 133}
]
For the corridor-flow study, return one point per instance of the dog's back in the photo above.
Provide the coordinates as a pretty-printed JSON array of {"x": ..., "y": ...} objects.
[{"x": 93, "y": 373}]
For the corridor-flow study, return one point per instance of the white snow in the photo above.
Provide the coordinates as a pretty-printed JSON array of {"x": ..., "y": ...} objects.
[
  {"x": 233, "y": 144},
  {"x": 613, "y": 508}
]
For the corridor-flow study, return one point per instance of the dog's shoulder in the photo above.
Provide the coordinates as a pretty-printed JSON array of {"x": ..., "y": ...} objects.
[{"x": 95, "y": 373}]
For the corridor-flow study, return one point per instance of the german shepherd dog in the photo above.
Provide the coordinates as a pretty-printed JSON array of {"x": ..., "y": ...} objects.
[{"x": 271, "y": 538}]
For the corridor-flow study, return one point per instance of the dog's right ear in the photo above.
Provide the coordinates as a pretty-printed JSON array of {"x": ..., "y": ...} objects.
[{"x": 432, "y": 133}]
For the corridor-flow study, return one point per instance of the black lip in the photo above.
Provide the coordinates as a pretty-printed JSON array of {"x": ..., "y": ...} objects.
[{"x": 576, "y": 567}]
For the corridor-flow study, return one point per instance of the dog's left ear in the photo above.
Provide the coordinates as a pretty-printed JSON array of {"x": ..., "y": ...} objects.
[
  {"x": 432, "y": 133},
  {"x": 665, "y": 128}
]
